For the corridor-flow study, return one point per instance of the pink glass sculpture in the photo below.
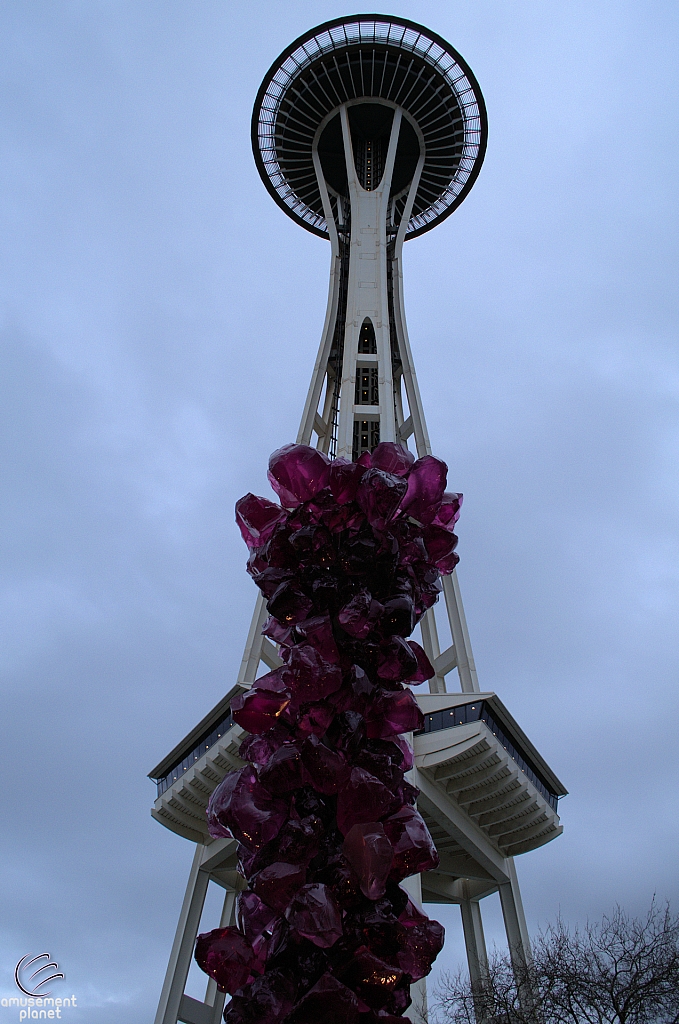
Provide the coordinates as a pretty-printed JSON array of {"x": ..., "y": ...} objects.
[{"x": 325, "y": 820}]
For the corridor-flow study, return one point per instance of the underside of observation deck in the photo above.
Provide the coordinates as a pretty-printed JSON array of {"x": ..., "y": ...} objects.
[
  {"x": 397, "y": 63},
  {"x": 486, "y": 793}
]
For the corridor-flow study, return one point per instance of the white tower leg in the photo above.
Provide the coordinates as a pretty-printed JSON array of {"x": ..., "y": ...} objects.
[
  {"x": 174, "y": 1004},
  {"x": 213, "y": 997},
  {"x": 474, "y": 941},
  {"x": 182, "y": 947},
  {"x": 477, "y": 956},
  {"x": 518, "y": 939}
]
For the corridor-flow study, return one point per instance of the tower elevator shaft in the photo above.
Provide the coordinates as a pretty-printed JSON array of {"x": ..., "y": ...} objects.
[{"x": 364, "y": 378}]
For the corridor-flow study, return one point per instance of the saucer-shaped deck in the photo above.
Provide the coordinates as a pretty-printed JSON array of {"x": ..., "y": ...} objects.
[{"x": 393, "y": 62}]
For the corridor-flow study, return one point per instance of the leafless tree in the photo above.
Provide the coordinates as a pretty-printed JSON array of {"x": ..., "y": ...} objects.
[{"x": 620, "y": 970}]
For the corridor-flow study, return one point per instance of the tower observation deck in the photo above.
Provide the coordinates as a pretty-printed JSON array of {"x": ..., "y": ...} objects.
[{"x": 368, "y": 131}]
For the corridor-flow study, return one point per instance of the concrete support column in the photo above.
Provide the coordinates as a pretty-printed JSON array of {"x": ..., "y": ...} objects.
[
  {"x": 466, "y": 668},
  {"x": 430, "y": 642},
  {"x": 474, "y": 941},
  {"x": 182, "y": 947},
  {"x": 213, "y": 997},
  {"x": 477, "y": 956},
  {"x": 252, "y": 656},
  {"x": 517, "y": 935}
]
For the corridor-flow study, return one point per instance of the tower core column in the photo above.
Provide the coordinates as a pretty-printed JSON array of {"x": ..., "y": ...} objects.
[{"x": 366, "y": 414}]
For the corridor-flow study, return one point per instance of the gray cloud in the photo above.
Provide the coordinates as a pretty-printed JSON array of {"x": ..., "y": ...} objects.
[{"x": 160, "y": 318}]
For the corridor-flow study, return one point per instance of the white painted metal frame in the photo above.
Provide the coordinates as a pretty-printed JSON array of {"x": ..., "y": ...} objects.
[{"x": 216, "y": 863}]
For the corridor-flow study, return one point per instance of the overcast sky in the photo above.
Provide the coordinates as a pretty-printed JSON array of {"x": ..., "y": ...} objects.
[{"x": 160, "y": 317}]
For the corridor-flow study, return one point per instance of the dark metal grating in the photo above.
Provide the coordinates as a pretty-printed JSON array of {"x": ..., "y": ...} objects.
[{"x": 364, "y": 56}]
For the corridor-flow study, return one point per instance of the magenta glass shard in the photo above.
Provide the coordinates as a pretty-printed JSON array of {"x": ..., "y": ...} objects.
[
  {"x": 273, "y": 681},
  {"x": 267, "y": 577},
  {"x": 277, "y": 884},
  {"x": 283, "y": 635},
  {"x": 289, "y": 603},
  {"x": 440, "y": 544},
  {"x": 325, "y": 822},
  {"x": 423, "y": 944},
  {"x": 317, "y": 631},
  {"x": 406, "y": 751},
  {"x": 449, "y": 512},
  {"x": 426, "y": 485},
  {"x": 258, "y": 710},
  {"x": 297, "y": 473},
  {"x": 357, "y": 617},
  {"x": 398, "y": 616},
  {"x": 313, "y": 914},
  {"x": 425, "y": 669},
  {"x": 344, "y": 479},
  {"x": 447, "y": 563},
  {"x": 226, "y": 956},
  {"x": 348, "y": 733},
  {"x": 408, "y": 794},
  {"x": 254, "y": 918},
  {"x": 393, "y": 713},
  {"x": 400, "y": 998},
  {"x": 300, "y": 839},
  {"x": 373, "y": 980},
  {"x": 327, "y": 769},
  {"x": 379, "y": 495},
  {"x": 315, "y": 717},
  {"x": 396, "y": 660},
  {"x": 268, "y": 1000},
  {"x": 328, "y": 1002},
  {"x": 257, "y": 749},
  {"x": 392, "y": 458},
  {"x": 309, "y": 676},
  {"x": 363, "y": 798},
  {"x": 257, "y": 518},
  {"x": 284, "y": 770},
  {"x": 413, "y": 846},
  {"x": 242, "y": 804},
  {"x": 370, "y": 854}
]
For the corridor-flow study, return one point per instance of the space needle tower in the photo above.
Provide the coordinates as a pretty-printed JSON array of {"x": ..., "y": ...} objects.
[{"x": 369, "y": 131}]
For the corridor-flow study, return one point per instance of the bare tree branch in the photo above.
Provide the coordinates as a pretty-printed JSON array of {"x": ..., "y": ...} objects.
[{"x": 620, "y": 970}]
